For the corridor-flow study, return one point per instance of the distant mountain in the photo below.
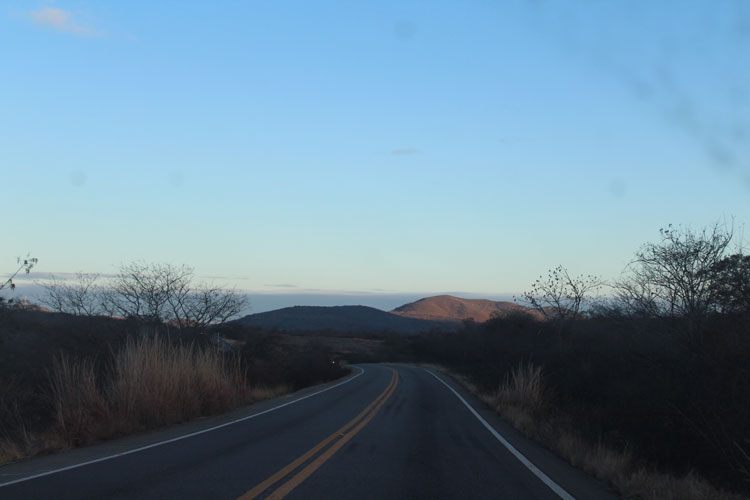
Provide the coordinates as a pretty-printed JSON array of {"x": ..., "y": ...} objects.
[
  {"x": 340, "y": 318},
  {"x": 450, "y": 308}
]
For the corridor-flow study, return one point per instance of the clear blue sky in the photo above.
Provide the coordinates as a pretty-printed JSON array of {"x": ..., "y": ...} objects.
[{"x": 383, "y": 146}]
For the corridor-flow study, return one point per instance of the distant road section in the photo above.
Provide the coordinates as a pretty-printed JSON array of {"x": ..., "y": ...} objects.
[{"x": 390, "y": 431}]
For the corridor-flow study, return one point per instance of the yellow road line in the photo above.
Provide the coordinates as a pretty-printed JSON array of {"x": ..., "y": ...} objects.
[
  {"x": 295, "y": 481},
  {"x": 342, "y": 433}
]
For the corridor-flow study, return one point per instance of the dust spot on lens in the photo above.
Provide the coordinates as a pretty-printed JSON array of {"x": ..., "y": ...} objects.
[
  {"x": 617, "y": 188},
  {"x": 404, "y": 30},
  {"x": 78, "y": 178},
  {"x": 723, "y": 159},
  {"x": 176, "y": 179}
]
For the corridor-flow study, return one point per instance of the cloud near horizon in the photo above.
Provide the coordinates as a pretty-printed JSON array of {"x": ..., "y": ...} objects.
[
  {"x": 61, "y": 276},
  {"x": 61, "y": 20}
]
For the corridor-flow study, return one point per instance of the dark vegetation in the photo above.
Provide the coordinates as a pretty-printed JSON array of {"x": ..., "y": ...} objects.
[
  {"x": 72, "y": 378},
  {"x": 159, "y": 294},
  {"x": 649, "y": 389},
  {"x": 658, "y": 373},
  {"x": 638, "y": 385}
]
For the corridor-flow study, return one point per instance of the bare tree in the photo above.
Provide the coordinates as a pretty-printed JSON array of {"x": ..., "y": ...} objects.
[
  {"x": 635, "y": 296},
  {"x": 25, "y": 265},
  {"x": 206, "y": 305},
  {"x": 165, "y": 293},
  {"x": 144, "y": 291},
  {"x": 731, "y": 284},
  {"x": 81, "y": 297},
  {"x": 675, "y": 277},
  {"x": 559, "y": 295}
]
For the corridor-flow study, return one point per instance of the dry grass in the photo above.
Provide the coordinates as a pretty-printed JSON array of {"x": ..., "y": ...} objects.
[
  {"x": 597, "y": 459},
  {"x": 10, "y": 451},
  {"x": 523, "y": 387},
  {"x": 521, "y": 398},
  {"x": 23, "y": 444},
  {"x": 650, "y": 485},
  {"x": 523, "y": 401},
  {"x": 155, "y": 383},
  {"x": 79, "y": 404},
  {"x": 149, "y": 383}
]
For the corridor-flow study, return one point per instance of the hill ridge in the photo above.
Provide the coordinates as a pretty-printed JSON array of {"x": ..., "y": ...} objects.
[
  {"x": 441, "y": 312},
  {"x": 452, "y": 308},
  {"x": 340, "y": 318}
]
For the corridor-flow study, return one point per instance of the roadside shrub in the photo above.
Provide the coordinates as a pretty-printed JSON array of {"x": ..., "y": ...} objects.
[
  {"x": 677, "y": 403},
  {"x": 155, "y": 383},
  {"x": 523, "y": 388},
  {"x": 79, "y": 405}
]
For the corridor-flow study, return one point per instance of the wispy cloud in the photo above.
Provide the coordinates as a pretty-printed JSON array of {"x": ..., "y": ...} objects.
[
  {"x": 281, "y": 285},
  {"x": 62, "y": 21},
  {"x": 404, "y": 151},
  {"x": 62, "y": 276},
  {"x": 224, "y": 278}
]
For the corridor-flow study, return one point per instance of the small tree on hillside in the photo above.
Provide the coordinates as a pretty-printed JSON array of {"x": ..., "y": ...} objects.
[
  {"x": 560, "y": 296},
  {"x": 81, "y": 297}
]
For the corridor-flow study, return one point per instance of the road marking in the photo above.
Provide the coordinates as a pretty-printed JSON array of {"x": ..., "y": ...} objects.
[
  {"x": 306, "y": 456},
  {"x": 179, "y": 438},
  {"x": 521, "y": 458},
  {"x": 287, "y": 487},
  {"x": 358, "y": 422}
]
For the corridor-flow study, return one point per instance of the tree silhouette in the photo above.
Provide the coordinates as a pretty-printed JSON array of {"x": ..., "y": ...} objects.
[
  {"x": 24, "y": 265},
  {"x": 560, "y": 296},
  {"x": 676, "y": 277}
]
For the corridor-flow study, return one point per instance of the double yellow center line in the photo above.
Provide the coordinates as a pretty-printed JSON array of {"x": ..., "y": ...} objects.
[{"x": 338, "y": 438}]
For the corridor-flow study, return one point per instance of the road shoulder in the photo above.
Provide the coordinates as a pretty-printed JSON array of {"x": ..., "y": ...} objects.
[
  {"x": 578, "y": 484},
  {"x": 72, "y": 458}
]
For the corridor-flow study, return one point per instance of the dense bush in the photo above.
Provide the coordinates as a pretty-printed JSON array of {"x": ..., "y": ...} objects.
[
  {"x": 679, "y": 401},
  {"x": 70, "y": 380}
]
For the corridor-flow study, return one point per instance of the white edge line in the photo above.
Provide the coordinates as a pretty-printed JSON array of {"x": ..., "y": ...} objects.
[
  {"x": 533, "y": 468},
  {"x": 179, "y": 438}
]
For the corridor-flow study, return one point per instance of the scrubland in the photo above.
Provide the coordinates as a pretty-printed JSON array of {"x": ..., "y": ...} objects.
[
  {"x": 69, "y": 381},
  {"x": 639, "y": 404}
]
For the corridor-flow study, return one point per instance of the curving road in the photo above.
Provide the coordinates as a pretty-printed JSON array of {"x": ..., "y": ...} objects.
[{"x": 386, "y": 431}]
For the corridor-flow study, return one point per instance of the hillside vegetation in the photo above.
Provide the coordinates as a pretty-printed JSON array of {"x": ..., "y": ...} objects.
[
  {"x": 647, "y": 388},
  {"x": 69, "y": 380}
]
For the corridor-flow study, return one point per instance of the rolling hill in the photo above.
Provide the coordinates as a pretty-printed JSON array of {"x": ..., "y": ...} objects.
[
  {"x": 442, "y": 312},
  {"x": 340, "y": 318},
  {"x": 450, "y": 308}
]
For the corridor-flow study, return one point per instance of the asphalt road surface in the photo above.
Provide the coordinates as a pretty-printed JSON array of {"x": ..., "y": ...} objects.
[{"x": 385, "y": 432}]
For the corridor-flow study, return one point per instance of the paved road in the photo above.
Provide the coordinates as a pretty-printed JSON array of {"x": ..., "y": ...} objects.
[{"x": 388, "y": 431}]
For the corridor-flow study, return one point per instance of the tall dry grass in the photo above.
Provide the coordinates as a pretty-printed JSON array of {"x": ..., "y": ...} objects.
[
  {"x": 149, "y": 383},
  {"x": 523, "y": 400},
  {"x": 79, "y": 403},
  {"x": 14, "y": 434},
  {"x": 18, "y": 444},
  {"x": 521, "y": 396},
  {"x": 155, "y": 383},
  {"x": 650, "y": 485}
]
